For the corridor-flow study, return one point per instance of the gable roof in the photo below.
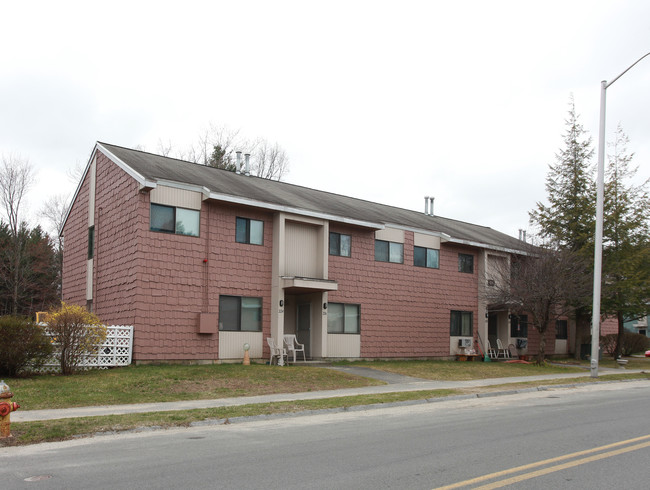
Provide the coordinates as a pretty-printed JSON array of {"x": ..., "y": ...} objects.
[{"x": 149, "y": 170}]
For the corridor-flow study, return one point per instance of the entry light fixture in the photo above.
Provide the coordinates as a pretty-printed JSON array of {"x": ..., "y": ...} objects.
[
  {"x": 281, "y": 303},
  {"x": 324, "y": 306}
]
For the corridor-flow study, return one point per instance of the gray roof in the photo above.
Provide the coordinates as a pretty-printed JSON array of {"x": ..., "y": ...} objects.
[{"x": 283, "y": 195}]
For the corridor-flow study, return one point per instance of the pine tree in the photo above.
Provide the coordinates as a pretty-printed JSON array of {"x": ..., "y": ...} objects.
[
  {"x": 626, "y": 246},
  {"x": 567, "y": 222}
]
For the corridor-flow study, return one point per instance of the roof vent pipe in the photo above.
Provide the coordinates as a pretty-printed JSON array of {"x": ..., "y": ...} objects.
[
  {"x": 431, "y": 210},
  {"x": 426, "y": 204},
  {"x": 238, "y": 164},
  {"x": 247, "y": 156}
]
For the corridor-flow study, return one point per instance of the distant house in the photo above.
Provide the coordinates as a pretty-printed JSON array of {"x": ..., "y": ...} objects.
[
  {"x": 201, "y": 260},
  {"x": 638, "y": 326}
]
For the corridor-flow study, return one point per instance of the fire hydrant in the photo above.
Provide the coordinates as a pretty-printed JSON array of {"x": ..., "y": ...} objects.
[{"x": 6, "y": 407}]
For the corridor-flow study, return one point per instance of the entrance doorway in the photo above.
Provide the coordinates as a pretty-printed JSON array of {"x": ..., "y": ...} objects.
[
  {"x": 493, "y": 329},
  {"x": 303, "y": 326}
]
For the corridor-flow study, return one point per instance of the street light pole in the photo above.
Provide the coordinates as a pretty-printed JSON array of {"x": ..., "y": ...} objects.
[{"x": 598, "y": 247}]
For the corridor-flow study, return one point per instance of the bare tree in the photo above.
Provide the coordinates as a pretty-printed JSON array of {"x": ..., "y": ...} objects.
[
  {"x": 16, "y": 177},
  {"x": 544, "y": 284},
  {"x": 270, "y": 161},
  {"x": 54, "y": 212}
]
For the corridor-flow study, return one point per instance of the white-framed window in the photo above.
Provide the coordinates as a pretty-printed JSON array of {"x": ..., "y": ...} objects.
[
  {"x": 426, "y": 257},
  {"x": 343, "y": 318},
  {"x": 461, "y": 324},
  {"x": 389, "y": 252},
  {"x": 240, "y": 314},
  {"x": 340, "y": 244},
  {"x": 519, "y": 326},
  {"x": 171, "y": 219},
  {"x": 249, "y": 231}
]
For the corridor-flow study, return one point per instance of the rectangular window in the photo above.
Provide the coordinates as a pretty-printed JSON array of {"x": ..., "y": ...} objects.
[
  {"x": 466, "y": 263},
  {"x": 249, "y": 231},
  {"x": 343, "y": 318},
  {"x": 519, "y": 326},
  {"x": 426, "y": 257},
  {"x": 561, "y": 329},
  {"x": 340, "y": 244},
  {"x": 170, "y": 219},
  {"x": 91, "y": 242},
  {"x": 389, "y": 252},
  {"x": 461, "y": 324},
  {"x": 240, "y": 314}
]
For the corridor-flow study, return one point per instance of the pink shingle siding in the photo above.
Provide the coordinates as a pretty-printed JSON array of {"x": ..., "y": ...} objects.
[{"x": 405, "y": 310}]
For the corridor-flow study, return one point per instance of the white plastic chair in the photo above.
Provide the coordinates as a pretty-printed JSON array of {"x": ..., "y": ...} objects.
[
  {"x": 276, "y": 351},
  {"x": 491, "y": 352},
  {"x": 293, "y": 346},
  {"x": 501, "y": 350}
]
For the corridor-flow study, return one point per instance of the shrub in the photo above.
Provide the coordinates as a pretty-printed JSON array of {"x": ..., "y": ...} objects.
[
  {"x": 77, "y": 332},
  {"x": 23, "y": 345},
  {"x": 631, "y": 343}
]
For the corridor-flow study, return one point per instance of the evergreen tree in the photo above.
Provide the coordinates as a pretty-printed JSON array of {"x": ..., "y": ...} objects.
[
  {"x": 626, "y": 246},
  {"x": 568, "y": 220}
]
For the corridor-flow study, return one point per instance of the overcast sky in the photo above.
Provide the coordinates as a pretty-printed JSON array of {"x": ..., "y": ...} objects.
[{"x": 385, "y": 101}]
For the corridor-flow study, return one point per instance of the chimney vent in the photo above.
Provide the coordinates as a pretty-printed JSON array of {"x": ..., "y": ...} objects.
[
  {"x": 238, "y": 164},
  {"x": 426, "y": 205},
  {"x": 247, "y": 157},
  {"x": 431, "y": 210}
]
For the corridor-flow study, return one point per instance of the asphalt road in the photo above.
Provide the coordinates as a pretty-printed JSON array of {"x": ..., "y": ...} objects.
[{"x": 419, "y": 446}]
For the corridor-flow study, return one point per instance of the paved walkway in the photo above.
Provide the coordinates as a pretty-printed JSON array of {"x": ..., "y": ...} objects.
[{"x": 396, "y": 383}]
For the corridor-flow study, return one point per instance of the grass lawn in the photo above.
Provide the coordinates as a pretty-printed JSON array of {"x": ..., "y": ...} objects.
[
  {"x": 143, "y": 384},
  {"x": 174, "y": 382}
]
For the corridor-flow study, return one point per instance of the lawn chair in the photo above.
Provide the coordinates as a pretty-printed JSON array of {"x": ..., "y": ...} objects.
[
  {"x": 293, "y": 346},
  {"x": 491, "y": 352},
  {"x": 501, "y": 350},
  {"x": 276, "y": 352}
]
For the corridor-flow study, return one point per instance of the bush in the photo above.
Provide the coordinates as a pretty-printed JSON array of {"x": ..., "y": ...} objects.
[
  {"x": 77, "y": 332},
  {"x": 631, "y": 343},
  {"x": 23, "y": 345}
]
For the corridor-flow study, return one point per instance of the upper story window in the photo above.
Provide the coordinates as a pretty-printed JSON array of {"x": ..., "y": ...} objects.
[
  {"x": 249, "y": 231},
  {"x": 466, "y": 263},
  {"x": 389, "y": 251},
  {"x": 343, "y": 318},
  {"x": 340, "y": 244},
  {"x": 519, "y": 326},
  {"x": 461, "y": 324},
  {"x": 561, "y": 329},
  {"x": 91, "y": 242},
  {"x": 240, "y": 314},
  {"x": 171, "y": 219},
  {"x": 426, "y": 257}
]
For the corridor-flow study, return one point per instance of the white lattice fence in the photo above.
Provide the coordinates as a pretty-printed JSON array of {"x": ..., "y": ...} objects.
[{"x": 117, "y": 350}]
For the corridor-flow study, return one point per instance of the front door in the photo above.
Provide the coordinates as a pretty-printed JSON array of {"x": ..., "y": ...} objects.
[
  {"x": 303, "y": 326},
  {"x": 493, "y": 329}
]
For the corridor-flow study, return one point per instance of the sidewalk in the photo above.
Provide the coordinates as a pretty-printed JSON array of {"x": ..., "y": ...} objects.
[{"x": 396, "y": 383}]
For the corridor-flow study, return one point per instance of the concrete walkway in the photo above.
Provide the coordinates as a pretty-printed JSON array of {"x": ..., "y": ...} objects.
[{"x": 396, "y": 383}]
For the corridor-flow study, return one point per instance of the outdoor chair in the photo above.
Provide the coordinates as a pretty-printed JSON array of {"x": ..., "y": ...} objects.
[
  {"x": 276, "y": 352},
  {"x": 491, "y": 351},
  {"x": 501, "y": 350},
  {"x": 293, "y": 346}
]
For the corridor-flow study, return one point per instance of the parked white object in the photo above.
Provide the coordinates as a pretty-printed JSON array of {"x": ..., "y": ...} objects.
[
  {"x": 501, "y": 350},
  {"x": 277, "y": 352}
]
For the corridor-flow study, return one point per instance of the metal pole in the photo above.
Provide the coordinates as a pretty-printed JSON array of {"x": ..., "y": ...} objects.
[{"x": 598, "y": 248}]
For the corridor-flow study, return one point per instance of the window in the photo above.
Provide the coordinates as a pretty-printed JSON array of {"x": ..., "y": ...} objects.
[
  {"x": 466, "y": 263},
  {"x": 240, "y": 314},
  {"x": 561, "y": 330},
  {"x": 519, "y": 326},
  {"x": 343, "y": 318},
  {"x": 249, "y": 231},
  {"x": 339, "y": 244},
  {"x": 461, "y": 324},
  {"x": 169, "y": 219},
  {"x": 389, "y": 252},
  {"x": 426, "y": 257},
  {"x": 91, "y": 242}
]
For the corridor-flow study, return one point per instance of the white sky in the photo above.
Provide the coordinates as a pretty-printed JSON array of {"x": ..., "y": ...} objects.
[{"x": 385, "y": 101}]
